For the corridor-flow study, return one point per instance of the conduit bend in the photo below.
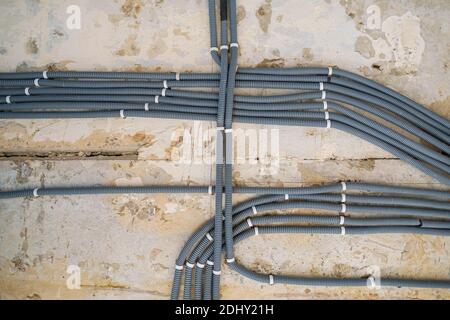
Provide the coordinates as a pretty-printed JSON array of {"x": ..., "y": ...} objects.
[{"x": 194, "y": 259}]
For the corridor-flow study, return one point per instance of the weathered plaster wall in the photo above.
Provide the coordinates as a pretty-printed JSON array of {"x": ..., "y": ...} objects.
[{"x": 126, "y": 245}]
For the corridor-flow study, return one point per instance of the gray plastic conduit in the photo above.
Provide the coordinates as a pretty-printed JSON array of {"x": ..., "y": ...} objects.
[
  {"x": 259, "y": 202},
  {"x": 360, "y": 132},
  {"x": 228, "y": 224},
  {"x": 439, "y": 228},
  {"x": 220, "y": 150},
  {"x": 352, "y": 76}
]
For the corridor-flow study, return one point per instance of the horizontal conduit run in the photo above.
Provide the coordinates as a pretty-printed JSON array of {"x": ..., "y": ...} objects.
[{"x": 322, "y": 97}]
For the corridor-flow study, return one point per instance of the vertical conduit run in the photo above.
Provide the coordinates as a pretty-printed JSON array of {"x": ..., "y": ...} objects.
[{"x": 220, "y": 150}]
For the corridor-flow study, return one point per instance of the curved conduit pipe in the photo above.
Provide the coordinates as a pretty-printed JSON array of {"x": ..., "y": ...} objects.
[
  {"x": 380, "y": 209},
  {"x": 322, "y": 102},
  {"x": 195, "y": 258}
]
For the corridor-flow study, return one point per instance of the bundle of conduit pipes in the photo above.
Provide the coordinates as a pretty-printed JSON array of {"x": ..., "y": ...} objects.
[{"x": 324, "y": 97}]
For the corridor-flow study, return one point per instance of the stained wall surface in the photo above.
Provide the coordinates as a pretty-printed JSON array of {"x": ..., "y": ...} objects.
[{"x": 126, "y": 245}]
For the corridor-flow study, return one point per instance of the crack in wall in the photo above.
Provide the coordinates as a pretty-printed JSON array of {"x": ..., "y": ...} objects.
[{"x": 70, "y": 155}]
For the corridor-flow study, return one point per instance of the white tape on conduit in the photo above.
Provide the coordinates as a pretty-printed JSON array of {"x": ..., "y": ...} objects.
[{"x": 330, "y": 71}]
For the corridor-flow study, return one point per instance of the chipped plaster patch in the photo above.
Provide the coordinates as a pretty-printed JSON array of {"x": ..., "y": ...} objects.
[
  {"x": 403, "y": 35},
  {"x": 401, "y": 46},
  {"x": 264, "y": 15},
  {"x": 364, "y": 46}
]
